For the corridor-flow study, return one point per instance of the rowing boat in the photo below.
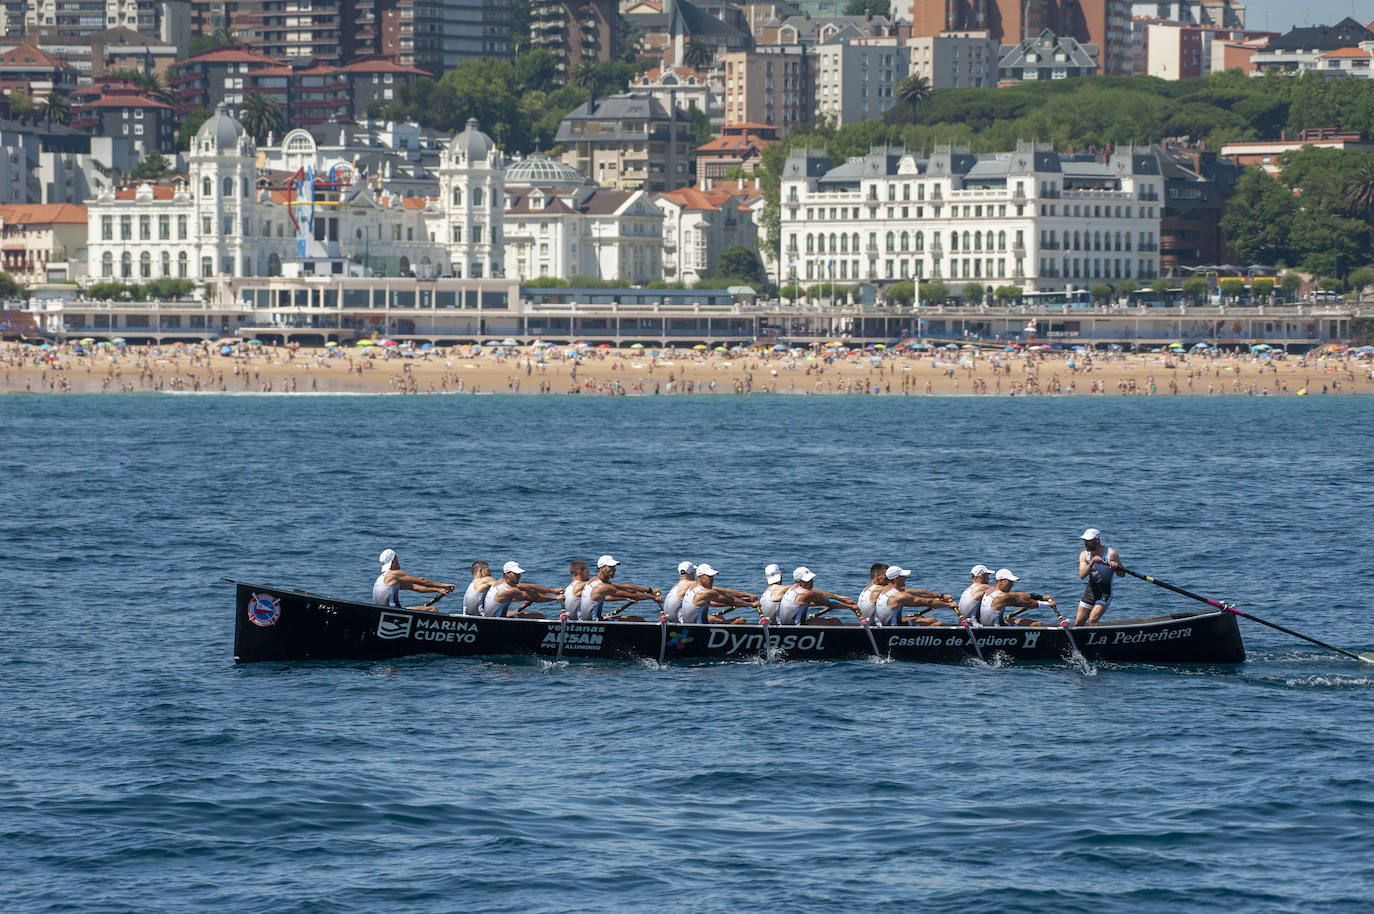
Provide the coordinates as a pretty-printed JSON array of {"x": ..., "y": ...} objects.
[{"x": 278, "y": 624}]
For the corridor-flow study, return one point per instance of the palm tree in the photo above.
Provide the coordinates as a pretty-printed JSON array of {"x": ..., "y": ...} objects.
[
  {"x": 261, "y": 116},
  {"x": 913, "y": 92},
  {"x": 697, "y": 54},
  {"x": 57, "y": 108},
  {"x": 587, "y": 76},
  {"x": 1357, "y": 191}
]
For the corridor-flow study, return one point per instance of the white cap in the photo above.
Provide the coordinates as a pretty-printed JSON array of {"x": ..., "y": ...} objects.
[
  {"x": 772, "y": 574},
  {"x": 387, "y": 557},
  {"x": 979, "y": 569},
  {"x": 897, "y": 571},
  {"x": 687, "y": 567},
  {"x": 1091, "y": 533},
  {"x": 512, "y": 568},
  {"x": 1004, "y": 574},
  {"x": 605, "y": 560},
  {"x": 802, "y": 573},
  {"x": 705, "y": 569}
]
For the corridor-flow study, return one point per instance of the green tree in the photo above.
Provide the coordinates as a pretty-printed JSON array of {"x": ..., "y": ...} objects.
[
  {"x": 900, "y": 294},
  {"x": 519, "y": 21},
  {"x": 1262, "y": 289},
  {"x": 791, "y": 292},
  {"x": 911, "y": 93},
  {"x": 972, "y": 292},
  {"x": 1291, "y": 284},
  {"x": 262, "y": 116},
  {"x": 933, "y": 292},
  {"x": 151, "y": 167},
  {"x": 1159, "y": 285},
  {"x": 698, "y": 54},
  {"x": 1357, "y": 190},
  {"x": 10, "y": 287},
  {"x": 587, "y": 76},
  {"x": 1259, "y": 217},
  {"x": 1125, "y": 288},
  {"x": 741, "y": 266},
  {"x": 1100, "y": 292},
  {"x": 1359, "y": 279},
  {"x": 217, "y": 39},
  {"x": 868, "y": 8},
  {"x": 57, "y": 108},
  {"x": 702, "y": 132},
  {"x": 23, "y": 107},
  {"x": 1007, "y": 294},
  {"x": 1195, "y": 289},
  {"x": 1231, "y": 287},
  {"x": 190, "y": 125}
]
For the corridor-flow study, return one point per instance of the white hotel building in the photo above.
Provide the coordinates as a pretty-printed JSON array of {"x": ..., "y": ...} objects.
[{"x": 1031, "y": 218}]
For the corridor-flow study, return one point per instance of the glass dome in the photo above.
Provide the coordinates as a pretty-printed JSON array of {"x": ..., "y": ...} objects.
[{"x": 542, "y": 171}]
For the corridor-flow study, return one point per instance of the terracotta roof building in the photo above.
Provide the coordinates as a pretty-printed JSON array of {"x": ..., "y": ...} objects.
[{"x": 38, "y": 242}]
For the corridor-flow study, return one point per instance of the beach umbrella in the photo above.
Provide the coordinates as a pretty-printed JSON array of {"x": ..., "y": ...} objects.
[
  {"x": 779, "y": 348},
  {"x": 700, "y": 347},
  {"x": 119, "y": 341},
  {"x": 1115, "y": 347},
  {"x": 1156, "y": 349},
  {"x": 255, "y": 342},
  {"x": 965, "y": 346},
  {"x": 834, "y": 344},
  {"x": 86, "y": 340},
  {"x": 426, "y": 347},
  {"x": 386, "y": 342},
  {"x": 490, "y": 343},
  {"x": 1260, "y": 347},
  {"x": 364, "y": 344},
  {"x": 636, "y": 345},
  {"x": 950, "y": 346},
  {"x": 509, "y": 342},
  {"x": 721, "y": 349},
  {"x": 330, "y": 345},
  {"x": 46, "y": 346},
  {"x": 1080, "y": 349}
]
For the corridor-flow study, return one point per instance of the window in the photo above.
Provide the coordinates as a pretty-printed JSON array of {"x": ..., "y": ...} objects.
[
  {"x": 181, "y": 227},
  {"x": 126, "y": 265},
  {"x": 145, "y": 228},
  {"x": 207, "y": 226},
  {"x": 207, "y": 189},
  {"x": 166, "y": 263},
  {"x": 145, "y": 265},
  {"x": 107, "y": 228},
  {"x": 207, "y": 266},
  {"x": 181, "y": 265},
  {"x": 126, "y": 228},
  {"x": 228, "y": 185},
  {"x": 164, "y": 228},
  {"x": 107, "y": 265}
]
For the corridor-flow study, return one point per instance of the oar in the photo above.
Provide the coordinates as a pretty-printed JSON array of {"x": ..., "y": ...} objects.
[
  {"x": 622, "y": 609},
  {"x": 1366, "y": 657},
  {"x": 972, "y": 638},
  {"x": 1064, "y": 624},
  {"x": 435, "y": 599}
]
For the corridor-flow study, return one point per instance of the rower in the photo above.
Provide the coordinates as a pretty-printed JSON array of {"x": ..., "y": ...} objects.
[
  {"x": 475, "y": 596},
  {"x": 386, "y": 590},
  {"x": 697, "y": 602},
  {"x": 888, "y": 608},
  {"x": 1097, "y": 563},
  {"x": 572, "y": 591},
  {"x": 770, "y": 601},
  {"x": 508, "y": 590},
  {"x": 601, "y": 588},
  {"x": 686, "y": 579},
  {"x": 803, "y": 593},
  {"x": 972, "y": 596},
  {"x": 999, "y": 598},
  {"x": 877, "y": 583}
]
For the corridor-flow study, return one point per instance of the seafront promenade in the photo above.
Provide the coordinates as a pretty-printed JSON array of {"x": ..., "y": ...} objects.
[{"x": 316, "y": 311}]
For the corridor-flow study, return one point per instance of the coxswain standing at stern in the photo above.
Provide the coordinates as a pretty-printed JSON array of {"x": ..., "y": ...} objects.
[
  {"x": 601, "y": 588},
  {"x": 1000, "y": 598},
  {"x": 889, "y": 605},
  {"x": 508, "y": 590},
  {"x": 792, "y": 610},
  {"x": 972, "y": 597},
  {"x": 697, "y": 602},
  {"x": 1097, "y": 563}
]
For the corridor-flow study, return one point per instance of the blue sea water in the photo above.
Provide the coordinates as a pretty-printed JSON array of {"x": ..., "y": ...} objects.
[{"x": 144, "y": 771}]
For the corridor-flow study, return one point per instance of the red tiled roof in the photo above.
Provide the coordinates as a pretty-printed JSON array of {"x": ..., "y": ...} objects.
[
  {"x": 43, "y": 214},
  {"x": 380, "y": 65},
  {"x": 230, "y": 53},
  {"x": 123, "y": 100},
  {"x": 160, "y": 192},
  {"x": 1346, "y": 52},
  {"x": 27, "y": 55}
]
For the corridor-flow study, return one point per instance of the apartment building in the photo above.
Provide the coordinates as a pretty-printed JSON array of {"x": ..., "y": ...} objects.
[
  {"x": 955, "y": 60},
  {"x": 855, "y": 78},
  {"x": 630, "y": 142},
  {"x": 769, "y": 85},
  {"x": 1105, "y": 23}
]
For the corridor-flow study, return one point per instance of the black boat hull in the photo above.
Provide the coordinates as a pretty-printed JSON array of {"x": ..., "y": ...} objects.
[{"x": 276, "y": 624}]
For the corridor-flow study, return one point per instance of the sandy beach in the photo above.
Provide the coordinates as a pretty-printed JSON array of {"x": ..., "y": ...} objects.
[{"x": 71, "y": 368}]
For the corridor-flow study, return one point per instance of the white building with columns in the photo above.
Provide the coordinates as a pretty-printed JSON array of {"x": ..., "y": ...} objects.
[{"x": 1031, "y": 218}]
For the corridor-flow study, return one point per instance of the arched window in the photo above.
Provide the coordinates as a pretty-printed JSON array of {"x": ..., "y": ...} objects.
[
  {"x": 1001, "y": 241},
  {"x": 966, "y": 240},
  {"x": 476, "y": 196},
  {"x": 987, "y": 240},
  {"x": 854, "y": 242},
  {"x": 1118, "y": 241},
  {"x": 245, "y": 188},
  {"x": 977, "y": 241},
  {"x": 181, "y": 265},
  {"x": 457, "y": 196},
  {"x": 906, "y": 241},
  {"x": 954, "y": 241},
  {"x": 810, "y": 243},
  {"x": 844, "y": 243},
  {"x": 107, "y": 264},
  {"x": 145, "y": 265},
  {"x": 207, "y": 188},
  {"x": 820, "y": 244},
  {"x": 891, "y": 239},
  {"x": 228, "y": 187},
  {"x": 833, "y": 246},
  {"x": 1097, "y": 241},
  {"x": 126, "y": 265},
  {"x": 920, "y": 241}
]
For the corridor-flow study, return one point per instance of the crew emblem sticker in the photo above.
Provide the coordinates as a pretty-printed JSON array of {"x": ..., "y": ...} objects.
[
  {"x": 264, "y": 609},
  {"x": 393, "y": 625}
]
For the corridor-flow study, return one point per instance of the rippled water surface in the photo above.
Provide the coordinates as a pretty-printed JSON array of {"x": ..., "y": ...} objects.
[{"x": 143, "y": 771}]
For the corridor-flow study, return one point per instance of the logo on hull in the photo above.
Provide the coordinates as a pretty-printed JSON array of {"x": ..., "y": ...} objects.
[
  {"x": 264, "y": 609},
  {"x": 393, "y": 625}
]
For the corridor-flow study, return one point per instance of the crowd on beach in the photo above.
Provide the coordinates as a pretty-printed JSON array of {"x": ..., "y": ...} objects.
[{"x": 834, "y": 368}]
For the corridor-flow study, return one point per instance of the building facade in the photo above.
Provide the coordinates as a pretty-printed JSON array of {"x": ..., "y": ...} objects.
[
  {"x": 770, "y": 85},
  {"x": 699, "y": 225},
  {"x": 1031, "y": 218},
  {"x": 42, "y": 243},
  {"x": 955, "y": 60},
  {"x": 855, "y": 78},
  {"x": 1046, "y": 56},
  {"x": 630, "y": 142},
  {"x": 121, "y": 109},
  {"x": 1104, "y": 23},
  {"x": 575, "y": 31}
]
